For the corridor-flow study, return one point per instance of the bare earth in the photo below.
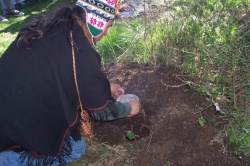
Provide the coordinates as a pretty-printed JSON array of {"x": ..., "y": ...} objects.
[{"x": 167, "y": 129}]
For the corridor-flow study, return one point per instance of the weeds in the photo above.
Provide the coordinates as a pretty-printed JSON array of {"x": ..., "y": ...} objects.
[
  {"x": 209, "y": 41},
  {"x": 212, "y": 45}
]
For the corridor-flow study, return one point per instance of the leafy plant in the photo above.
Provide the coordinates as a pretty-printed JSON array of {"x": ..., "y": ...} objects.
[
  {"x": 130, "y": 135},
  {"x": 201, "y": 121}
]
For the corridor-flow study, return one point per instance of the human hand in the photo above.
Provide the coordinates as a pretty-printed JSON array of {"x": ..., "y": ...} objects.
[
  {"x": 135, "y": 108},
  {"x": 116, "y": 90}
]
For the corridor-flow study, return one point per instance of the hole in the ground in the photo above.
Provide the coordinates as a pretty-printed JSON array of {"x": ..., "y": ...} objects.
[{"x": 114, "y": 132}]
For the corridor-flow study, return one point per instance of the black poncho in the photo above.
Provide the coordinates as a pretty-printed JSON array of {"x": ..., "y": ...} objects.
[{"x": 38, "y": 97}]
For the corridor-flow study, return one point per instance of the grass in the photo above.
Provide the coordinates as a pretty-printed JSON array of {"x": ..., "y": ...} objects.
[
  {"x": 208, "y": 40},
  {"x": 123, "y": 42},
  {"x": 103, "y": 154},
  {"x": 10, "y": 29}
]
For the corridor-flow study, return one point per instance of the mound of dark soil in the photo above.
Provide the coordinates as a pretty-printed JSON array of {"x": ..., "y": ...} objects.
[{"x": 167, "y": 129}]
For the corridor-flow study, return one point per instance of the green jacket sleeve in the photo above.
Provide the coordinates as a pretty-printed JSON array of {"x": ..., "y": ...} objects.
[{"x": 112, "y": 111}]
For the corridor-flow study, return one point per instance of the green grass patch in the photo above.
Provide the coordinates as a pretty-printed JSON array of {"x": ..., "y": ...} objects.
[{"x": 10, "y": 29}]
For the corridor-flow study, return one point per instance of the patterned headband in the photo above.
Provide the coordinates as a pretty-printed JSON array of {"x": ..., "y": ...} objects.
[{"x": 98, "y": 14}]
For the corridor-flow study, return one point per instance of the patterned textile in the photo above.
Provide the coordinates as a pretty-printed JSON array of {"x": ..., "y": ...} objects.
[{"x": 98, "y": 14}]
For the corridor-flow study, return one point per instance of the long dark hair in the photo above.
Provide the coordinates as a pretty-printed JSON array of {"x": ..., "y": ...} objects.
[{"x": 37, "y": 28}]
